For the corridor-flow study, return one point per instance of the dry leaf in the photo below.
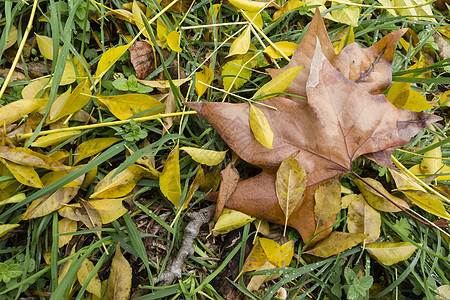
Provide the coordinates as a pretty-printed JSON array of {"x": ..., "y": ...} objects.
[
  {"x": 327, "y": 201},
  {"x": 335, "y": 243},
  {"x": 203, "y": 77},
  {"x": 402, "y": 96},
  {"x": 5, "y": 228},
  {"x": 230, "y": 178},
  {"x": 287, "y": 7},
  {"x": 16, "y": 110},
  {"x": 363, "y": 219},
  {"x": 230, "y": 220},
  {"x": 127, "y": 105},
  {"x": 427, "y": 202},
  {"x": 116, "y": 186},
  {"x": 119, "y": 281},
  {"x": 288, "y": 48},
  {"x": 278, "y": 84},
  {"x": 260, "y": 127},
  {"x": 108, "y": 209},
  {"x": 65, "y": 226},
  {"x": 242, "y": 43},
  {"x": 390, "y": 253},
  {"x": 142, "y": 57},
  {"x": 198, "y": 180},
  {"x": 94, "y": 286},
  {"x": 169, "y": 180},
  {"x": 92, "y": 147},
  {"x": 205, "y": 156}
]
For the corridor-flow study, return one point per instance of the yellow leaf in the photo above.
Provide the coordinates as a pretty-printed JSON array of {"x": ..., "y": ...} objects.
[
  {"x": 65, "y": 226},
  {"x": 45, "y": 45},
  {"x": 444, "y": 99},
  {"x": 327, "y": 198},
  {"x": 235, "y": 72},
  {"x": 24, "y": 174},
  {"x": 427, "y": 202},
  {"x": 127, "y": 105},
  {"x": 109, "y": 209},
  {"x": 403, "y": 181},
  {"x": 117, "y": 186},
  {"x": 414, "y": 13},
  {"x": 347, "y": 39},
  {"x": 68, "y": 212},
  {"x": 89, "y": 216},
  {"x": 119, "y": 281},
  {"x": 54, "y": 138},
  {"x": 257, "y": 280},
  {"x": 12, "y": 37},
  {"x": 94, "y": 286},
  {"x": 137, "y": 15},
  {"x": 198, "y": 180},
  {"x": 335, "y": 243},
  {"x": 374, "y": 198},
  {"x": 256, "y": 258},
  {"x": 109, "y": 58},
  {"x": 348, "y": 15},
  {"x": 278, "y": 84},
  {"x": 241, "y": 44},
  {"x": 31, "y": 158},
  {"x": 262, "y": 226},
  {"x": 362, "y": 218},
  {"x": 69, "y": 104},
  {"x": 169, "y": 180},
  {"x": 32, "y": 89},
  {"x": 205, "y": 156},
  {"x": 390, "y": 253},
  {"x": 89, "y": 177},
  {"x": 287, "y": 7},
  {"x": 288, "y": 48},
  {"x": 290, "y": 185},
  {"x": 121, "y": 14},
  {"x": 279, "y": 256},
  {"x": 161, "y": 30},
  {"x": 205, "y": 76},
  {"x": 252, "y": 6},
  {"x": 432, "y": 164},
  {"x": 212, "y": 180},
  {"x": 230, "y": 220},
  {"x": 163, "y": 84},
  {"x": 92, "y": 147},
  {"x": 260, "y": 127},
  {"x": 256, "y": 18},
  {"x": 13, "y": 199},
  {"x": 444, "y": 290},
  {"x": 17, "y": 109},
  {"x": 401, "y": 95},
  {"x": 4, "y": 228},
  {"x": 173, "y": 41}
]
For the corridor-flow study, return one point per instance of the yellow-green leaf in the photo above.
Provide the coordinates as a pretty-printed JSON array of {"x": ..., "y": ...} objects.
[
  {"x": 402, "y": 96},
  {"x": 127, "y": 105},
  {"x": 348, "y": 15},
  {"x": 169, "y": 180},
  {"x": 363, "y": 219},
  {"x": 236, "y": 73},
  {"x": 24, "y": 174},
  {"x": 161, "y": 30},
  {"x": 54, "y": 138},
  {"x": 17, "y": 109},
  {"x": 260, "y": 127},
  {"x": 290, "y": 185},
  {"x": 13, "y": 199},
  {"x": 45, "y": 45},
  {"x": 114, "y": 187},
  {"x": 242, "y": 43},
  {"x": 65, "y": 226},
  {"x": 12, "y": 37},
  {"x": 119, "y": 281},
  {"x": 203, "y": 77},
  {"x": 94, "y": 285},
  {"x": 335, "y": 243},
  {"x": 69, "y": 104},
  {"x": 173, "y": 41},
  {"x": 278, "y": 84},
  {"x": 427, "y": 202},
  {"x": 92, "y": 147},
  {"x": 205, "y": 156},
  {"x": 230, "y": 220},
  {"x": 390, "y": 253},
  {"x": 137, "y": 15},
  {"x": 287, "y": 7},
  {"x": 108, "y": 59},
  {"x": 327, "y": 198},
  {"x": 163, "y": 84},
  {"x": 4, "y": 228},
  {"x": 253, "y": 6},
  {"x": 288, "y": 48},
  {"x": 109, "y": 209},
  {"x": 255, "y": 17}
]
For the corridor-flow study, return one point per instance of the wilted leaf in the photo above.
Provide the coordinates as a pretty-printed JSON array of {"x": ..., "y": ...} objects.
[
  {"x": 287, "y": 7},
  {"x": 109, "y": 58},
  {"x": 92, "y": 147},
  {"x": 169, "y": 180},
  {"x": 327, "y": 201},
  {"x": 119, "y": 281},
  {"x": 363, "y": 219},
  {"x": 403, "y": 181},
  {"x": 108, "y": 209},
  {"x": 230, "y": 178},
  {"x": 212, "y": 180},
  {"x": 205, "y": 76},
  {"x": 142, "y": 57},
  {"x": 64, "y": 106},
  {"x": 68, "y": 212},
  {"x": 335, "y": 243},
  {"x": 402, "y": 96},
  {"x": 31, "y": 90},
  {"x": 262, "y": 227},
  {"x": 54, "y": 138},
  {"x": 257, "y": 280},
  {"x": 427, "y": 202},
  {"x": 65, "y": 226},
  {"x": 198, "y": 180},
  {"x": 252, "y": 6},
  {"x": 13, "y": 199},
  {"x": 173, "y": 41},
  {"x": 290, "y": 185},
  {"x": 278, "y": 84},
  {"x": 12, "y": 37},
  {"x": 230, "y": 220},
  {"x": 17, "y": 109},
  {"x": 235, "y": 68},
  {"x": 5, "y": 228},
  {"x": 260, "y": 127},
  {"x": 390, "y": 253},
  {"x": 127, "y": 105},
  {"x": 94, "y": 286},
  {"x": 137, "y": 15},
  {"x": 241, "y": 44},
  {"x": 444, "y": 290},
  {"x": 23, "y": 174},
  {"x": 117, "y": 186},
  {"x": 205, "y": 156},
  {"x": 256, "y": 258}
]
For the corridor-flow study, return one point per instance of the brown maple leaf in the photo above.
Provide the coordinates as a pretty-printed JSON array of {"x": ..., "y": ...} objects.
[{"x": 339, "y": 121}]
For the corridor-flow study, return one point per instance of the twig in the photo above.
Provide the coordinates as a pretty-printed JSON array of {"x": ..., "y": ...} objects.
[{"x": 191, "y": 231}]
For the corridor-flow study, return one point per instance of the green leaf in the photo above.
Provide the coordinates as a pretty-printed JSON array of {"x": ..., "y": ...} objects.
[{"x": 121, "y": 84}]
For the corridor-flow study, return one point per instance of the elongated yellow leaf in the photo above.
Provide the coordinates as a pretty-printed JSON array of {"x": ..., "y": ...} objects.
[
  {"x": 109, "y": 209},
  {"x": 335, "y": 243},
  {"x": 327, "y": 198},
  {"x": 257, "y": 280},
  {"x": 279, "y": 256},
  {"x": 427, "y": 202},
  {"x": 347, "y": 39},
  {"x": 24, "y": 174},
  {"x": 5, "y": 228},
  {"x": 137, "y": 15},
  {"x": 117, "y": 186},
  {"x": 278, "y": 84},
  {"x": 92, "y": 147},
  {"x": 45, "y": 45},
  {"x": 13, "y": 199},
  {"x": 432, "y": 163},
  {"x": 287, "y": 7},
  {"x": 419, "y": 12},
  {"x": 109, "y": 58},
  {"x": 173, "y": 41},
  {"x": 255, "y": 17},
  {"x": 252, "y": 6},
  {"x": 94, "y": 285},
  {"x": 163, "y": 84},
  {"x": 205, "y": 156},
  {"x": 288, "y": 48},
  {"x": 198, "y": 180},
  {"x": 363, "y": 219},
  {"x": 401, "y": 95},
  {"x": 256, "y": 258},
  {"x": 17, "y": 109},
  {"x": 119, "y": 281},
  {"x": 403, "y": 181},
  {"x": 444, "y": 290},
  {"x": 241, "y": 44},
  {"x": 169, "y": 180},
  {"x": 64, "y": 106},
  {"x": 260, "y": 127},
  {"x": 126, "y": 106},
  {"x": 31, "y": 158},
  {"x": 54, "y": 138},
  {"x": 31, "y": 90},
  {"x": 230, "y": 220},
  {"x": 236, "y": 73},
  {"x": 65, "y": 226},
  {"x": 390, "y": 253},
  {"x": 290, "y": 185},
  {"x": 205, "y": 76}
]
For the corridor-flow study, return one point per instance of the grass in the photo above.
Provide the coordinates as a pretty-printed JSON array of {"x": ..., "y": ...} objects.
[{"x": 149, "y": 234}]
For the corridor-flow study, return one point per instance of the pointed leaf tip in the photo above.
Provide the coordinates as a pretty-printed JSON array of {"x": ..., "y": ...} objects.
[{"x": 197, "y": 106}]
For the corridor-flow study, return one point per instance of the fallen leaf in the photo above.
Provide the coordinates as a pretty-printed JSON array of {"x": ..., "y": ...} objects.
[
  {"x": 230, "y": 178},
  {"x": 260, "y": 127},
  {"x": 54, "y": 138},
  {"x": 173, "y": 41},
  {"x": 76, "y": 100},
  {"x": 137, "y": 15},
  {"x": 5, "y": 228},
  {"x": 198, "y": 180},
  {"x": 256, "y": 258},
  {"x": 335, "y": 243},
  {"x": 142, "y": 57},
  {"x": 287, "y": 7},
  {"x": 127, "y": 105},
  {"x": 364, "y": 219},
  {"x": 390, "y": 253},
  {"x": 89, "y": 216},
  {"x": 347, "y": 39},
  {"x": 288, "y": 48},
  {"x": 248, "y": 5},
  {"x": 211, "y": 182},
  {"x": 402, "y": 96},
  {"x": 203, "y": 77},
  {"x": 278, "y": 84},
  {"x": 347, "y": 15},
  {"x": 327, "y": 198},
  {"x": 94, "y": 285},
  {"x": 12, "y": 37},
  {"x": 16, "y": 110},
  {"x": 236, "y": 73},
  {"x": 230, "y": 220},
  {"x": 23, "y": 174},
  {"x": 242, "y": 43},
  {"x": 92, "y": 147},
  {"x": 257, "y": 280},
  {"x": 427, "y": 202},
  {"x": 108, "y": 209},
  {"x": 116, "y": 186},
  {"x": 119, "y": 281},
  {"x": 108, "y": 59},
  {"x": 205, "y": 156},
  {"x": 65, "y": 226},
  {"x": 279, "y": 256},
  {"x": 444, "y": 290},
  {"x": 169, "y": 180}
]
